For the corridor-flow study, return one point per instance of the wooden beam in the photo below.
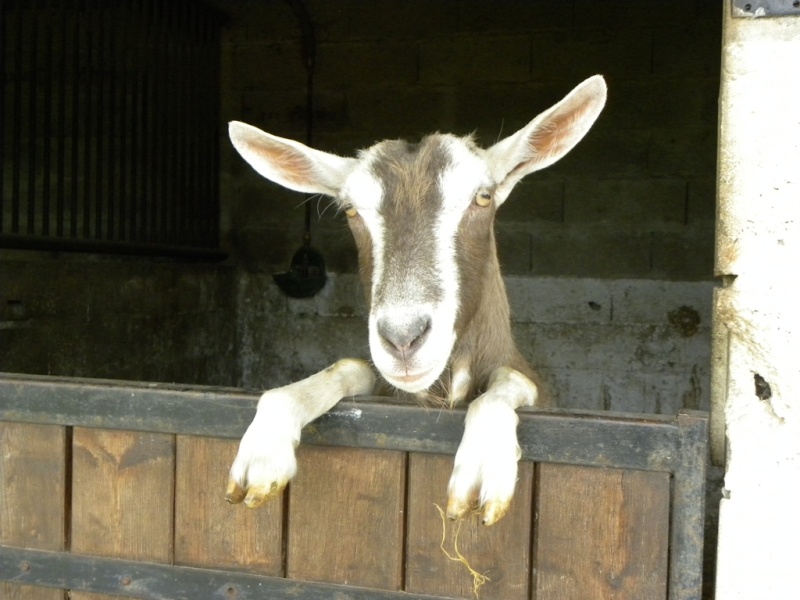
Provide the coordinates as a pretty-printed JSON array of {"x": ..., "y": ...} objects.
[
  {"x": 148, "y": 581},
  {"x": 646, "y": 442}
]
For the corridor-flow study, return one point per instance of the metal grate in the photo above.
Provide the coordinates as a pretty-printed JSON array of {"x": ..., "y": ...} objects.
[{"x": 109, "y": 118}]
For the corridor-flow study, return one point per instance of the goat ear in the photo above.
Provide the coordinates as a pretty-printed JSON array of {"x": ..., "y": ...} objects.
[
  {"x": 289, "y": 163},
  {"x": 548, "y": 137}
]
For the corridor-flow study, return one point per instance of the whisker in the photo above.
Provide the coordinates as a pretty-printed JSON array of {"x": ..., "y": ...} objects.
[
  {"x": 326, "y": 207},
  {"x": 500, "y": 133}
]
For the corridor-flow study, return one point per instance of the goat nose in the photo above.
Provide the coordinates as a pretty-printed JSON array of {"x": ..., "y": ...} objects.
[{"x": 402, "y": 337}]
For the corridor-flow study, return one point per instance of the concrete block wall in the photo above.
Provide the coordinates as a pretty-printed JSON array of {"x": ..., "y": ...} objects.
[
  {"x": 117, "y": 319},
  {"x": 628, "y": 214},
  {"x": 608, "y": 254},
  {"x": 634, "y": 200},
  {"x": 628, "y": 345}
]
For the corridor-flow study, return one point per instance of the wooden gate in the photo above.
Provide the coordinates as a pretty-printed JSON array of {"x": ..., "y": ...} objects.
[{"x": 117, "y": 488}]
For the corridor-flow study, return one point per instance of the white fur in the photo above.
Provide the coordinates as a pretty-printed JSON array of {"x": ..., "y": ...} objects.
[
  {"x": 266, "y": 459},
  {"x": 459, "y": 386},
  {"x": 485, "y": 467},
  {"x": 361, "y": 189},
  {"x": 467, "y": 173},
  {"x": 457, "y": 185}
]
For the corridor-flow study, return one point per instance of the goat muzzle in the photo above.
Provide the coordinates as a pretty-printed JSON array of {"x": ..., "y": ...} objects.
[{"x": 403, "y": 337}]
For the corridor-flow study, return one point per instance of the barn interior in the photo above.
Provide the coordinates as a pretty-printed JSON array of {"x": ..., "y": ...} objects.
[
  {"x": 136, "y": 244},
  {"x": 608, "y": 254}
]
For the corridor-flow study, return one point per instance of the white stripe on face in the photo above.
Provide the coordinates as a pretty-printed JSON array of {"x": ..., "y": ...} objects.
[
  {"x": 464, "y": 175},
  {"x": 413, "y": 229}
]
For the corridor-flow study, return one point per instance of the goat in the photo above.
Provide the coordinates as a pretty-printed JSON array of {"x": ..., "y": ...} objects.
[{"x": 422, "y": 216}]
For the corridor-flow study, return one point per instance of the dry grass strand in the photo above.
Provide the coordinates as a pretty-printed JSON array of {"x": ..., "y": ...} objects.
[{"x": 478, "y": 579}]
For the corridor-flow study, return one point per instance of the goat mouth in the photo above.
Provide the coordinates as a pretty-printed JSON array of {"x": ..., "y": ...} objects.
[{"x": 413, "y": 382}]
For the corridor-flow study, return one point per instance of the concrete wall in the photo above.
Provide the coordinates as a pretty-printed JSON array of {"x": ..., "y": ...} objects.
[
  {"x": 757, "y": 378},
  {"x": 605, "y": 251},
  {"x": 624, "y": 345},
  {"x": 116, "y": 318},
  {"x": 608, "y": 253},
  {"x": 634, "y": 200}
]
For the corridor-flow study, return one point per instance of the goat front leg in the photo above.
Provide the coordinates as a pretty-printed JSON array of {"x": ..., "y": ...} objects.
[
  {"x": 266, "y": 459},
  {"x": 485, "y": 466}
]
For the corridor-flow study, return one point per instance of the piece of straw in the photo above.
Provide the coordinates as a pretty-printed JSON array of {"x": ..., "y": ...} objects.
[{"x": 478, "y": 579}]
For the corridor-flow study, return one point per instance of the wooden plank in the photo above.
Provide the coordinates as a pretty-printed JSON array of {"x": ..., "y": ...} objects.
[
  {"x": 122, "y": 495},
  {"x": 149, "y": 581},
  {"x": 209, "y": 532},
  {"x": 602, "y": 534},
  {"x": 346, "y": 517},
  {"x": 501, "y": 552},
  {"x": 578, "y": 437},
  {"x": 32, "y": 496},
  {"x": 126, "y": 405}
]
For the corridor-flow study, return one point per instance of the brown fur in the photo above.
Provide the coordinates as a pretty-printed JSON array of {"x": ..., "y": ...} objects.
[{"x": 484, "y": 341}]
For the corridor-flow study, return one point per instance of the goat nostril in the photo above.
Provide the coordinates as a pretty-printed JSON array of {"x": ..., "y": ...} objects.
[
  {"x": 422, "y": 333},
  {"x": 403, "y": 336}
]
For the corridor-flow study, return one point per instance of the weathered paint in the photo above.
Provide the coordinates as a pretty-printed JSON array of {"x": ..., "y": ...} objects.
[{"x": 756, "y": 374}]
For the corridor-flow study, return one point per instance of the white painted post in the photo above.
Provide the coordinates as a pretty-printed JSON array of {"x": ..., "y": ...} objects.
[{"x": 756, "y": 312}]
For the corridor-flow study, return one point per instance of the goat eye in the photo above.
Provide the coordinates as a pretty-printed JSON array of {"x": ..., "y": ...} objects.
[
  {"x": 350, "y": 211},
  {"x": 483, "y": 199}
]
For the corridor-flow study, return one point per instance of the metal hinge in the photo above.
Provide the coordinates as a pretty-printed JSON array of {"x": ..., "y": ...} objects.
[{"x": 765, "y": 8}]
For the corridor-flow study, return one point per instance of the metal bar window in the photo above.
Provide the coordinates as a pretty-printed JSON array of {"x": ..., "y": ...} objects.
[{"x": 109, "y": 119}]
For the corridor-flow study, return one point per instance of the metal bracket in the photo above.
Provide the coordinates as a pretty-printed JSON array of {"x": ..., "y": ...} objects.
[{"x": 765, "y": 8}]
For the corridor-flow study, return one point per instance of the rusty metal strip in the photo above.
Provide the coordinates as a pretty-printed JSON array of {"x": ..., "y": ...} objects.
[{"x": 687, "y": 527}]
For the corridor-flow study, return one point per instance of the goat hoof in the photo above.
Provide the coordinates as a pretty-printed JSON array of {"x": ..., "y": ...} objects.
[
  {"x": 235, "y": 493},
  {"x": 253, "y": 496},
  {"x": 257, "y": 495},
  {"x": 493, "y": 511},
  {"x": 458, "y": 509}
]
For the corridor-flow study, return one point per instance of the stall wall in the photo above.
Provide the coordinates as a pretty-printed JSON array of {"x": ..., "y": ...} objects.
[
  {"x": 117, "y": 318},
  {"x": 635, "y": 199},
  {"x": 609, "y": 253}
]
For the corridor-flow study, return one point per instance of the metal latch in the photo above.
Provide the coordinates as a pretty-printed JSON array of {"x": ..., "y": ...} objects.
[{"x": 765, "y": 8}]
